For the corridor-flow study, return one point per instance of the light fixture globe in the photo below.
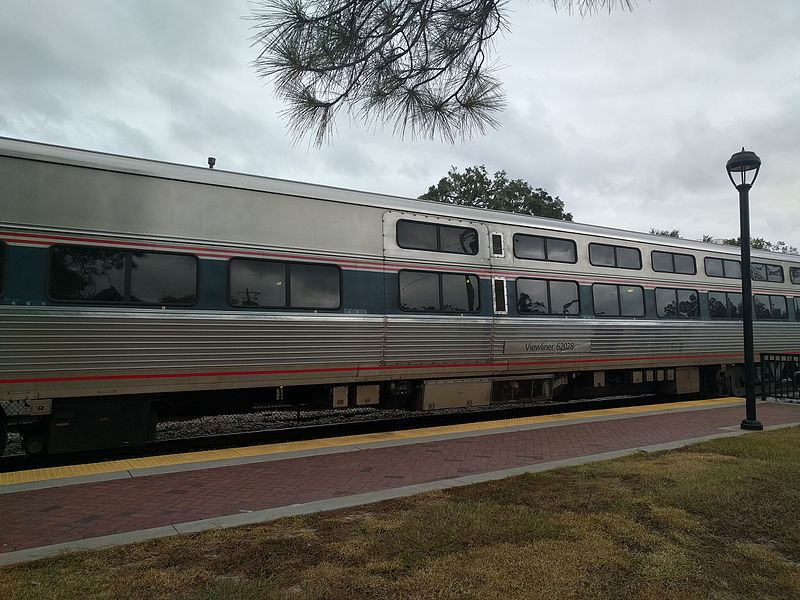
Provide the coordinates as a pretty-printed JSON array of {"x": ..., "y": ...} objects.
[{"x": 743, "y": 162}]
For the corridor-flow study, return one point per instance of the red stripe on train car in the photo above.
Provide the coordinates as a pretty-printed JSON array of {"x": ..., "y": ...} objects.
[{"x": 367, "y": 368}]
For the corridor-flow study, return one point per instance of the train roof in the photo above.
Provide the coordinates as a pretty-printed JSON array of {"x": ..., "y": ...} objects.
[{"x": 29, "y": 150}]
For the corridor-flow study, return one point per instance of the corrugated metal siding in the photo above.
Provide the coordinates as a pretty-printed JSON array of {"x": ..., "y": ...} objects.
[{"x": 36, "y": 341}]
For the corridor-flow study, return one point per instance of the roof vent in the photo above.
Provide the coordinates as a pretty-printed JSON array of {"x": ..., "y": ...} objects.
[{"x": 211, "y": 162}]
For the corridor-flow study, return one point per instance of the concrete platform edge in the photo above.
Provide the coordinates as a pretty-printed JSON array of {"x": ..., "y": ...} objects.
[{"x": 330, "y": 504}]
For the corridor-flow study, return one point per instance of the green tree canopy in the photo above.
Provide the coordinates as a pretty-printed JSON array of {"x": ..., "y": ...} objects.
[{"x": 473, "y": 187}]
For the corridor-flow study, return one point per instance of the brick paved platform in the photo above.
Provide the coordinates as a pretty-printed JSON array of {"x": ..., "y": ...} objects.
[{"x": 55, "y": 518}]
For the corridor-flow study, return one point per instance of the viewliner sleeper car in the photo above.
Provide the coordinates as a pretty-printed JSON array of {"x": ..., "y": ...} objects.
[{"x": 131, "y": 290}]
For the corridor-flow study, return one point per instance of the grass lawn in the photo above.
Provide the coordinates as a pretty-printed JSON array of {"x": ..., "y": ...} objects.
[{"x": 715, "y": 520}]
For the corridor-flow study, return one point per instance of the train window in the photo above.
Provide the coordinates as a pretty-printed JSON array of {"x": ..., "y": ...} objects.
[
  {"x": 717, "y": 305},
  {"x": 601, "y": 255},
  {"x": 438, "y": 292},
  {"x": 498, "y": 248},
  {"x": 458, "y": 240},
  {"x": 622, "y": 257},
  {"x": 768, "y": 307},
  {"x": 794, "y": 275},
  {"x": 677, "y": 304},
  {"x": 618, "y": 300},
  {"x": 459, "y": 293},
  {"x": 536, "y": 247},
  {"x": 606, "y": 300},
  {"x": 419, "y": 291},
  {"x": 797, "y": 309},
  {"x": 82, "y": 273},
  {"x": 725, "y": 305},
  {"x": 662, "y": 262},
  {"x": 257, "y": 283},
  {"x": 416, "y": 235},
  {"x": 158, "y": 278},
  {"x": 273, "y": 284},
  {"x": 540, "y": 297},
  {"x": 778, "y": 307},
  {"x": 628, "y": 258},
  {"x": 758, "y": 271},
  {"x": 714, "y": 267},
  {"x": 765, "y": 272},
  {"x": 669, "y": 262},
  {"x": 2, "y": 250},
  {"x": 564, "y": 298},
  {"x": 500, "y": 296},
  {"x": 775, "y": 273},
  {"x": 86, "y": 274},
  {"x": 314, "y": 286},
  {"x": 717, "y": 267},
  {"x": 684, "y": 263},
  {"x": 532, "y": 296},
  {"x": 559, "y": 250}
]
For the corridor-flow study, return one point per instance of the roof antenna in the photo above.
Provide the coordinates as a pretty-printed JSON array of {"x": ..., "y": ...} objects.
[{"x": 211, "y": 162}]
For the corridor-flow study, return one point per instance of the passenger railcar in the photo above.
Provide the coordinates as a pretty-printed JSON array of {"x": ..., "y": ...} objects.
[{"x": 133, "y": 288}]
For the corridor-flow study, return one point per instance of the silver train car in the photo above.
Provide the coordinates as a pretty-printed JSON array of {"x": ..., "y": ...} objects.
[{"x": 131, "y": 289}]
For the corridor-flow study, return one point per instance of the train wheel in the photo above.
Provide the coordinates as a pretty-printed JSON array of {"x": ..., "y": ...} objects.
[{"x": 34, "y": 440}]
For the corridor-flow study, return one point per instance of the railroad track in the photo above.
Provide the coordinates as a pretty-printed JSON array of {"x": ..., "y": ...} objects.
[{"x": 313, "y": 431}]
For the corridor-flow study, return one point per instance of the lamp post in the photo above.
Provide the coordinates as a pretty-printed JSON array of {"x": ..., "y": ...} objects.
[{"x": 742, "y": 163}]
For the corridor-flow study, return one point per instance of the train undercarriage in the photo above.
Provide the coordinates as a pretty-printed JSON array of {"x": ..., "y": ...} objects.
[{"x": 52, "y": 426}]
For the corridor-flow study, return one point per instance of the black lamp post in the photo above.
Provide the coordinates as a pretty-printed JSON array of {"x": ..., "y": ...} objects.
[{"x": 742, "y": 163}]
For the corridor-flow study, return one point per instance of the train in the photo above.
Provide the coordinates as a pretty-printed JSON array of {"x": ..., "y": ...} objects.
[{"x": 133, "y": 289}]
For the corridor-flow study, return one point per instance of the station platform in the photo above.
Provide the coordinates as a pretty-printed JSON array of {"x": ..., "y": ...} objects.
[{"x": 49, "y": 511}]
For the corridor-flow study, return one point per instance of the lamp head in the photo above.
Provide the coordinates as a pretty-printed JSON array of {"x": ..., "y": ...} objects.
[{"x": 743, "y": 163}]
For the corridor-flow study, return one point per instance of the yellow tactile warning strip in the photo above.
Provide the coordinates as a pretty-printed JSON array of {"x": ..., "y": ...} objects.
[{"x": 115, "y": 466}]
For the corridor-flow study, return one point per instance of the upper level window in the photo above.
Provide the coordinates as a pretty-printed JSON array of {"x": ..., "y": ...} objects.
[
  {"x": 89, "y": 274},
  {"x": 725, "y": 305},
  {"x": 618, "y": 300},
  {"x": 621, "y": 257},
  {"x": 671, "y": 262},
  {"x": 769, "y": 307},
  {"x": 536, "y": 247},
  {"x": 677, "y": 304},
  {"x": 794, "y": 275},
  {"x": 418, "y": 235},
  {"x": 765, "y": 272},
  {"x": 423, "y": 291},
  {"x": 719, "y": 267},
  {"x": 543, "y": 297},
  {"x": 272, "y": 284}
]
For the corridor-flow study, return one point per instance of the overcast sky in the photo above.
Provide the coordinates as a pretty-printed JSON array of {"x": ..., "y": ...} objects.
[{"x": 628, "y": 117}]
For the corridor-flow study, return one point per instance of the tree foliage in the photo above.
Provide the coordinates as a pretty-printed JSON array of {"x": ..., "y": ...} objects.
[
  {"x": 675, "y": 233},
  {"x": 424, "y": 65},
  {"x": 474, "y": 187},
  {"x": 762, "y": 244}
]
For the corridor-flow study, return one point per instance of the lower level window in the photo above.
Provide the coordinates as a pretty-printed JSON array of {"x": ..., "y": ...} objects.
[
  {"x": 618, "y": 300},
  {"x": 109, "y": 275},
  {"x": 544, "y": 297},
  {"x": 677, "y": 304},
  {"x": 769, "y": 307},
  {"x": 423, "y": 291},
  {"x": 725, "y": 305},
  {"x": 273, "y": 284}
]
